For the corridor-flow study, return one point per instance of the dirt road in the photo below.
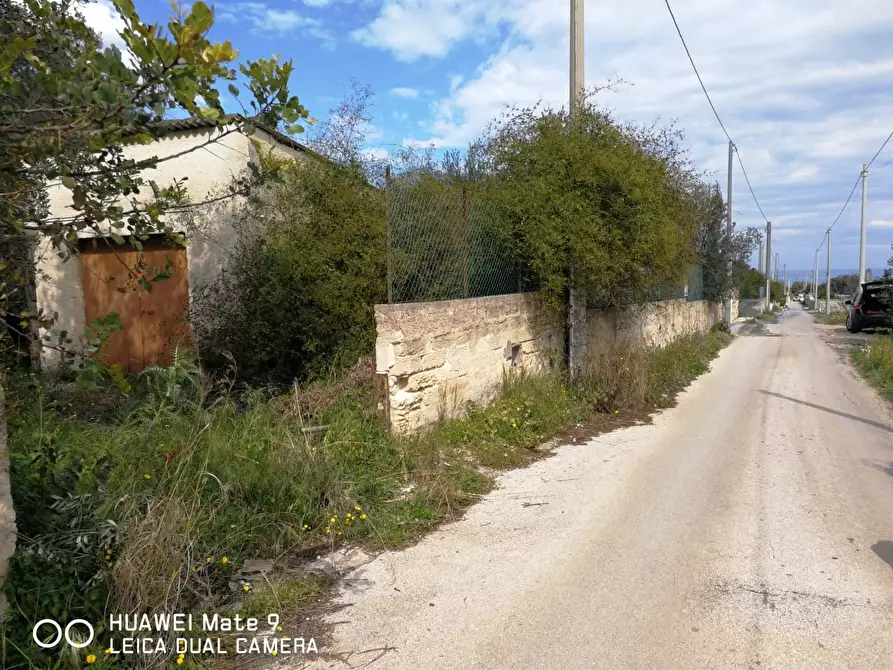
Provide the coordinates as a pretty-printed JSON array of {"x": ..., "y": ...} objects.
[{"x": 751, "y": 526}]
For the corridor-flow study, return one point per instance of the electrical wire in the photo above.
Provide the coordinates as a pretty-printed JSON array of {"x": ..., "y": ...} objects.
[
  {"x": 849, "y": 197},
  {"x": 713, "y": 107},
  {"x": 880, "y": 150},
  {"x": 858, "y": 179}
]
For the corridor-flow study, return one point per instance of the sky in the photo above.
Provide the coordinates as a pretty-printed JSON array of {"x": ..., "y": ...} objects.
[{"x": 804, "y": 87}]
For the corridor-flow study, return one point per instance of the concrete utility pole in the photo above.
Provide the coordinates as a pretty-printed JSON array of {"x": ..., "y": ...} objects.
[
  {"x": 768, "y": 264},
  {"x": 728, "y": 303},
  {"x": 862, "y": 237},
  {"x": 760, "y": 259},
  {"x": 828, "y": 277},
  {"x": 576, "y": 304},
  {"x": 775, "y": 274},
  {"x": 815, "y": 281}
]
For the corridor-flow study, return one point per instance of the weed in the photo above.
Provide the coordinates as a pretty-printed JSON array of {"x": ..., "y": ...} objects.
[
  {"x": 875, "y": 362},
  {"x": 156, "y": 508},
  {"x": 833, "y": 319}
]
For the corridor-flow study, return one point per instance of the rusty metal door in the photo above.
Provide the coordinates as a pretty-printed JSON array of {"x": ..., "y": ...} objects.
[{"x": 153, "y": 321}]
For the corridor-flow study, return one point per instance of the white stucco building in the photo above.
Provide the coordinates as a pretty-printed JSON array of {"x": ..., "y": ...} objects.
[{"x": 92, "y": 283}]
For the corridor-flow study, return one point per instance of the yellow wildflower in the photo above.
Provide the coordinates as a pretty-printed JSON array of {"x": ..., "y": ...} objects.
[
  {"x": 91, "y": 658},
  {"x": 273, "y": 652},
  {"x": 279, "y": 628},
  {"x": 224, "y": 560},
  {"x": 147, "y": 476},
  {"x": 362, "y": 516},
  {"x": 358, "y": 508},
  {"x": 246, "y": 588},
  {"x": 108, "y": 651}
]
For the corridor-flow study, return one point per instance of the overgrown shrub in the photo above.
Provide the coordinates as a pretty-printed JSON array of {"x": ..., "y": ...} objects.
[
  {"x": 308, "y": 268},
  {"x": 629, "y": 376},
  {"x": 611, "y": 197}
]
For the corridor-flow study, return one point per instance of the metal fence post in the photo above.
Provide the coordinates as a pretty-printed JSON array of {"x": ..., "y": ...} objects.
[
  {"x": 466, "y": 223},
  {"x": 390, "y": 242}
]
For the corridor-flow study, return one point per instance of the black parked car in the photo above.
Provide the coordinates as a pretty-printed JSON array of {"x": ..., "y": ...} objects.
[{"x": 871, "y": 307}]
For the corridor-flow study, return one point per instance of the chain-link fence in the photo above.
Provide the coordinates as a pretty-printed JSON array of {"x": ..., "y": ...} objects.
[
  {"x": 691, "y": 289},
  {"x": 443, "y": 245}
]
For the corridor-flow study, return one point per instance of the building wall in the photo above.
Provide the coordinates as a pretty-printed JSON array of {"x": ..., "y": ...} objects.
[
  {"x": 209, "y": 232},
  {"x": 439, "y": 356}
]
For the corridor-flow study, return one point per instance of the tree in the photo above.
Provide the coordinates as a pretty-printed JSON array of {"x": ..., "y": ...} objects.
[
  {"x": 69, "y": 109},
  {"x": 591, "y": 190},
  {"x": 722, "y": 253}
]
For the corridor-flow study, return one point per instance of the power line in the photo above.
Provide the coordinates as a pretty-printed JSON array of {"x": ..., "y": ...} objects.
[
  {"x": 713, "y": 107},
  {"x": 880, "y": 150},
  {"x": 849, "y": 197},
  {"x": 747, "y": 179},
  {"x": 858, "y": 179}
]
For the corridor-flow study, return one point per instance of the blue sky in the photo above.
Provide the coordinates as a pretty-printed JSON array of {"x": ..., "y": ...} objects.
[{"x": 804, "y": 87}]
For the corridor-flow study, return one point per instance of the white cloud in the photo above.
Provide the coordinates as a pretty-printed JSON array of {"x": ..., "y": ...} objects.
[
  {"x": 375, "y": 154},
  {"x": 102, "y": 17},
  {"x": 316, "y": 3},
  {"x": 881, "y": 223},
  {"x": 262, "y": 19},
  {"x": 801, "y": 86},
  {"x": 403, "y": 92},
  {"x": 412, "y": 29},
  {"x": 401, "y": 116}
]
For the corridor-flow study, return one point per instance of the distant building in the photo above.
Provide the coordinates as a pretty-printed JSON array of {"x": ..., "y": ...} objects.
[{"x": 867, "y": 274}]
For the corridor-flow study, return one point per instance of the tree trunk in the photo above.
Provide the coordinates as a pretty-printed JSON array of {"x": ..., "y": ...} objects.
[{"x": 7, "y": 513}]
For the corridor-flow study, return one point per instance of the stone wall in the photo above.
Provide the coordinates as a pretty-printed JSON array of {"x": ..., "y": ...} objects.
[
  {"x": 439, "y": 356},
  {"x": 652, "y": 325}
]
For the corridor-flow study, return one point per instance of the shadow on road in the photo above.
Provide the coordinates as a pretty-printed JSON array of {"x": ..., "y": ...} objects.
[
  {"x": 884, "y": 550},
  {"x": 868, "y": 422},
  {"x": 886, "y": 468}
]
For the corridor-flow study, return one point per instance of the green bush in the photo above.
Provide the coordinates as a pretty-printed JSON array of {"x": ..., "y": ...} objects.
[
  {"x": 875, "y": 362},
  {"x": 750, "y": 284},
  {"x": 299, "y": 297},
  {"x": 611, "y": 197},
  {"x": 152, "y": 507}
]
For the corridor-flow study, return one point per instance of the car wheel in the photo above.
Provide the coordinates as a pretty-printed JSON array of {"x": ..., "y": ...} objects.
[{"x": 851, "y": 324}]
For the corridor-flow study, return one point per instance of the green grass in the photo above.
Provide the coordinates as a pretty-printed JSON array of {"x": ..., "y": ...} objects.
[
  {"x": 159, "y": 499},
  {"x": 875, "y": 362},
  {"x": 833, "y": 319}
]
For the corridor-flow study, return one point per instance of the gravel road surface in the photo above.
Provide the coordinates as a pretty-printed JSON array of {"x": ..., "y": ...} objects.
[{"x": 751, "y": 526}]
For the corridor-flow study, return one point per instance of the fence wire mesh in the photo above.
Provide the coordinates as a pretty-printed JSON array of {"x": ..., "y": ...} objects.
[
  {"x": 444, "y": 245},
  {"x": 692, "y": 289}
]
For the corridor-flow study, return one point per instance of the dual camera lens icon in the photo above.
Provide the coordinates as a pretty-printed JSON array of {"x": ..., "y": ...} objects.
[{"x": 77, "y": 643}]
